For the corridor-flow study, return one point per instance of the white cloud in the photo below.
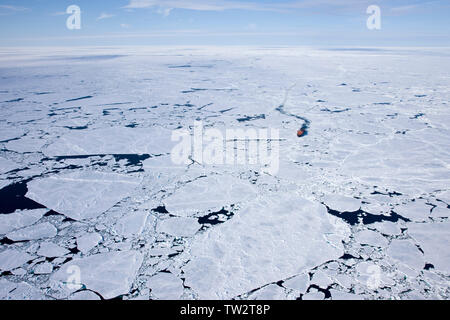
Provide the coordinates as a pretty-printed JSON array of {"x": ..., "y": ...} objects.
[
  {"x": 59, "y": 13},
  {"x": 13, "y": 8},
  {"x": 165, "y": 6},
  {"x": 198, "y": 5},
  {"x": 105, "y": 16},
  {"x": 125, "y": 26}
]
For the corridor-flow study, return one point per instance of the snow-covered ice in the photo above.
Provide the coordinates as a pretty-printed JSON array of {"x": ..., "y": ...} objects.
[
  {"x": 88, "y": 241},
  {"x": 20, "y": 219},
  {"x": 51, "y": 250},
  {"x": 81, "y": 195},
  {"x": 36, "y": 232},
  {"x": 108, "y": 274},
  {"x": 11, "y": 259}
]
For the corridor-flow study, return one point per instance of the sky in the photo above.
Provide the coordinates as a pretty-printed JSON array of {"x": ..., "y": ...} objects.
[{"x": 335, "y": 23}]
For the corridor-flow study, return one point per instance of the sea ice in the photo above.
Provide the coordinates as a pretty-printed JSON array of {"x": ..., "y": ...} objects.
[
  {"x": 11, "y": 259},
  {"x": 211, "y": 193},
  {"x": 371, "y": 238},
  {"x": 114, "y": 140},
  {"x": 26, "y": 144},
  {"x": 36, "y": 232},
  {"x": 416, "y": 210},
  {"x": 268, "y": 240},
  {"x": 84, "y": 295},
  {"x": 7, "y": 165},
  {"x": 81, "y": 195},
  {"x": 51, "y": 250},
  {"x": 19, "y": 291},
  {"x": 434, "y": 239},
  {"x": 178, "y": 226},
  {"x": 43, "y": 268},
  {"x": 131, "y": 224},
  {"x": 165, "y": 286},
  {"x": 342, "y": 203},
  {"x": 88, "y": 241},
  {"x": 300, "y": 283},
  {"x": 19, "y": 219},
  {"x": 109, "y": 274},
  {"x": 405, "y": 252}
]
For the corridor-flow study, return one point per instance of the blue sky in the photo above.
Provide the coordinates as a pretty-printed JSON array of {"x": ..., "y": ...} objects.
[{"x": 225, "y": 22}]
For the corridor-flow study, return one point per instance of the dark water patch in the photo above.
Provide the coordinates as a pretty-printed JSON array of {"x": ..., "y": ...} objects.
[
  {"x": 251, "y": 118},
  {"x": 226, "y": 110},
  {"x": 420, "y": 95},
  {"x": 115, "y": 104},
  {"x": 194, "y": 90},
  {"x": 181, "y": 66},
  {"x": 355, "y": 217},
  {"x": 356, "y": 90},
  {"x": 52, "y": 213},
  {"x": 206, "y": 105},
  {"x": 80, "y": 98},
  {"x": 14, "y": 100},
  {"x": 133, "y": 159},
  {"x": 214, "y": 218},
  {"x": 382, "y": 103},
  {"x": 42, "y": 93},
  {"x": 74, "y": 250},
  {"x": 342, "y": 85},
  {"x": 336, "y": 110},
  {"x": 6, "y": 241},
  {"x": 392, "y": 116},
  {"x": 187, "y": 104},
  {"x": 320, "y": 101},
  {"x": 137, "y": 108},
  {"x": 66, "y": 109},
  {"x": 160, "y": 209},
  {"x": 131, "y": 125},
  {"x": 13, "y": 198},
  {"x": 417, "y": 116},
  {"x": 390, "y": 194},
  {"x": 76, "y": 128},
  {"x": 348, "y": 256},
  {"x": 428, "y": 266},
  {"x": 326, "y": 291}
]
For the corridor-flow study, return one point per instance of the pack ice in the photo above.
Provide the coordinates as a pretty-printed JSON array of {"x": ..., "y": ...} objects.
[{"x": 93, "y": 205}]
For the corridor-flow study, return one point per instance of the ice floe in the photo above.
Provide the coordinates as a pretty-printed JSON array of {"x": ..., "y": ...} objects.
[
  {"x": 210, "y": 193},
  {"x": 286, "y": 238},
  {"x": 179, "y": 226},
  {"x": 109, "y": 274},
  {"x": 51, "y": 250},
  {"x": 132, "y": 224},
  {"x": 83, "y": 195},
  {"x": 11, "y": 259},
  {"x": 406, "y": 252},
  {"x": 114, "y": 140},
  {"x": 43, "y": 268},
  {"x": 36, "y": 232},
  {"x": 165, "y": 286},
  {"x": 7, "y": 165},
  {"x": 19, "y": 219},
  {"x": 433, "y": 238},
  {"x": 88, "y": 241}
]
